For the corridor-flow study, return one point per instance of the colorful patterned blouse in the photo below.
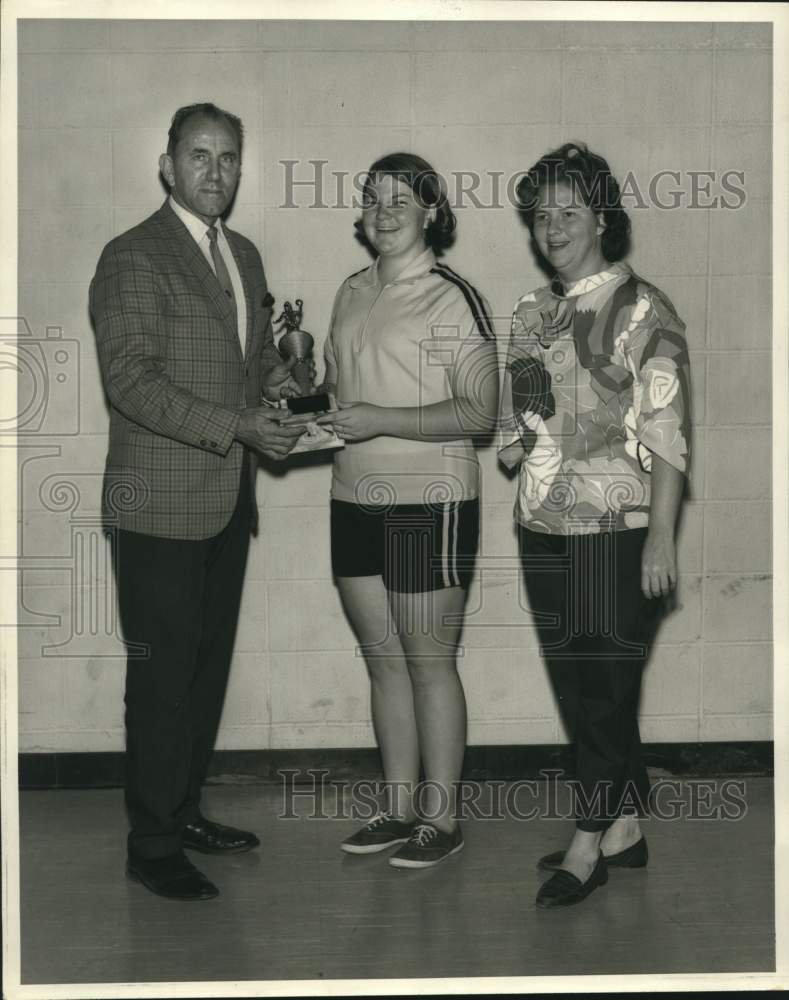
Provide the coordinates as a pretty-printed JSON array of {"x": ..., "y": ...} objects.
[{"x": 597, "y": 380}]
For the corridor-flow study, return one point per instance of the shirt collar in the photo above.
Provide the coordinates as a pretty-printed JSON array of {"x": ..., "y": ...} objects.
[
  {"x": 589, "y": 283},
  {"x": 197, "y": 228},
  {"x": 419, "y": 265}
]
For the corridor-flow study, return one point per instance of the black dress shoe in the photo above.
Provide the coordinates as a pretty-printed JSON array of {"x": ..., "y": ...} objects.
[
  {"x": 213, "y": 838},
  {"x": 635, "y": 856},
  {"x": 174, "y": 877},
  {"x": 564, "y": 889}
]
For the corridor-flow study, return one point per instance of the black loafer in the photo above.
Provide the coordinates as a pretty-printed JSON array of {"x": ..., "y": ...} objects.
[
  {"x": 174, "y": 877},
  {"x": 213, "y": 838},
  {"x": 564, "y": 889},
  {"x": 635, "y": 856}
]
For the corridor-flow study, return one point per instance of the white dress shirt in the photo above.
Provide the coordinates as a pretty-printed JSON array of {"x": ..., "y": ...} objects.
[{"x": 199, "y": 231}]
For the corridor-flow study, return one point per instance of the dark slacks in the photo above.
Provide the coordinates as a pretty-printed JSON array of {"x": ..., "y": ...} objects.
[
  {"x": 595, "y": 628},
  {"x": 181, "y": 599}
]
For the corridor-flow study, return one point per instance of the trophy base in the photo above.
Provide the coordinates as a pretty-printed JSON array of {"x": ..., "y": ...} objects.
[{"x": 317, "y": 437}]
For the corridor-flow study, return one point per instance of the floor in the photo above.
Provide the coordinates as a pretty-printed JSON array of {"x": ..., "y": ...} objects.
[{"x": 300, "y": 909}]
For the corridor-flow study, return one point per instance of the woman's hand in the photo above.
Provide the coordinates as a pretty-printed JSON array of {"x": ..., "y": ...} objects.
[
  {"x": 659, "y": 563},
  {"x": 357, "y": 421},
  {"x": 659, "y": 557}
]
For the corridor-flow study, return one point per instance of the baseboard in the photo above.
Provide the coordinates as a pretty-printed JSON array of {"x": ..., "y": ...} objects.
[{"x": 482, "y": 763}]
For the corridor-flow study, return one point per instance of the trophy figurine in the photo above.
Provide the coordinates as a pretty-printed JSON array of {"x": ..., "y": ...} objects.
[{"x": 297, "y": 343}]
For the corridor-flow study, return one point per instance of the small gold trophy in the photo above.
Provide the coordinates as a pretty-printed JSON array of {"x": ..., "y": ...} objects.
[{"x": 297, "y": 343}]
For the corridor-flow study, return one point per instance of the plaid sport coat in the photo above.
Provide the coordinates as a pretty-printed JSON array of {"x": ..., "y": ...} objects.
[{"x": 175, "y": 377}]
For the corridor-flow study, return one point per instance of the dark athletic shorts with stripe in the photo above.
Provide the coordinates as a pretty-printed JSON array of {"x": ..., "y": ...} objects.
[{"x": 413, "y": 547}]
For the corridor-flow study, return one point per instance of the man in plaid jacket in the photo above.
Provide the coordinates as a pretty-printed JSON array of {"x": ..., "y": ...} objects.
[{"x": 182, "y": 317}]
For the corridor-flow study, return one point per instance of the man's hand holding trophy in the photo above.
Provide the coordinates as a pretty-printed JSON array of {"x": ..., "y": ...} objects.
[{"x": 297, "y": 343}]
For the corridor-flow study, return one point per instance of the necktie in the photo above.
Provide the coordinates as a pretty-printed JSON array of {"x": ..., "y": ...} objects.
[{"x": 222, "y": 273}]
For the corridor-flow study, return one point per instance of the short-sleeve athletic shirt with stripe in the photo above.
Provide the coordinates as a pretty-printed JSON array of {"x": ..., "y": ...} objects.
[{"x": 397, "y": 345}]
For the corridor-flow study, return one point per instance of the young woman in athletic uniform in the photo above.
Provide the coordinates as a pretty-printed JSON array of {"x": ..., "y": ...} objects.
[{"x": 411, "y": 356}]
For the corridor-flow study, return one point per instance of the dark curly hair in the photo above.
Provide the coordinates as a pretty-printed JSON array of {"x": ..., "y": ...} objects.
[
  {"x": 590, "y": 177},
  {"x": 208, "y": 110},
  {"x": 428, "y": 189}
]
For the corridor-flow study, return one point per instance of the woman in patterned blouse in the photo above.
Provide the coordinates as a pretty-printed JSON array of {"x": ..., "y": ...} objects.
[{"x": 597, "y": 414}]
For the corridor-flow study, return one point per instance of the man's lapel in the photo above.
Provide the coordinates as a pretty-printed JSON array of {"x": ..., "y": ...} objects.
[
  {"x": 240, "y": 255},
  {"x": 191, "y": 253}
]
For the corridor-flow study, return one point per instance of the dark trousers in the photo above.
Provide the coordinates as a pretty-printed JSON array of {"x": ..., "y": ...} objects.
[
  {"x": 181, "y": 600},
  {"x": 595, "y": 628}
]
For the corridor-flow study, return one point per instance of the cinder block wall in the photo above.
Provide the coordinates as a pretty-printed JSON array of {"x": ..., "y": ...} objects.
[{"x": 95, "y": 99}]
